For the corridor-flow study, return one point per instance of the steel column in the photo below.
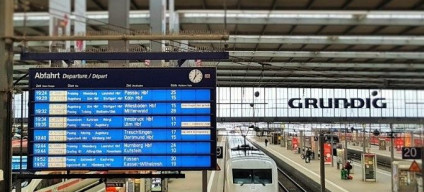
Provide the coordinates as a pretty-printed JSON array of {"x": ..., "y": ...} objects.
[
  {"x": 6, "y": 87},
  {"x": 119, "y": 15},
  {"x": 392, "y": 155},
  {"x": 157, "y": 26},
  {"x": 321, "y": 161}
]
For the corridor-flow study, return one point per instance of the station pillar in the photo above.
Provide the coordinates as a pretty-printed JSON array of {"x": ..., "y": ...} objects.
[
  {"x": 6, "y": 90},
  {"x": 157, "y": 26},
  {"x": 302, "y": 144},
  {"x": 119, "y": 15}
]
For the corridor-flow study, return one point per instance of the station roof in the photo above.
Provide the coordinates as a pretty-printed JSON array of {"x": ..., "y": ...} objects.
[{"x": 281, "y": 43}]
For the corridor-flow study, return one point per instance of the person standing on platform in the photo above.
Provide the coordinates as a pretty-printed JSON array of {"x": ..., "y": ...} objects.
[
  {"x": 266, "y": 142},
  {"x": 348, "y": 167},
  {"x": 308, "y": 154}
]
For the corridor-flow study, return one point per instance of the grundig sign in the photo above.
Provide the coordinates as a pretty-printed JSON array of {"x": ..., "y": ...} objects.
[{"x": 338, "y": 102}]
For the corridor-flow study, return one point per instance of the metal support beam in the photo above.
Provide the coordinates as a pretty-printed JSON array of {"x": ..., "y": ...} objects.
[
  {"x": 317, "y": 79},
  {"x": 321, "y": 161},
  {"x": 157, "y": 26},
  {"x": 277, "y": 17},
  {"x": 320, "y": 29},
  {"x": 119, "y": 12},
  {"x": 328, "y": 54},
  {"x": 322, "y": 49},
  {"x": 272, "y": 66},
  {"x": 341, "y": 85},
  {"x": 134, "y": 4},
  {"x": 293, "y": 79},
  {"x": 120, "y": 37},
  {"x": 324, "y": 39},
  {"x": 292, "y": 28},
  {"x": 309, "y": 4},
  {"x": 377, "y": 30},
  {"x": 377, "y": 120},
  {"x": 6, "y": 90},
  {"x": 99, "y": 40},
  {"x": 407, "y": 29},
  {"x": 124, "y": 56},
  {"x": 346, "y": 3},
  {"x": 306, "y": 18},
  {"x": 100, "y": 5},
  {"x": 310, "y": 73},
  {"x": 317, "y": 66}
]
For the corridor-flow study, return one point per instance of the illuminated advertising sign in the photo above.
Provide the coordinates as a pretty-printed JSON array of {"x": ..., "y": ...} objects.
[{"x": 338, "y": 102}]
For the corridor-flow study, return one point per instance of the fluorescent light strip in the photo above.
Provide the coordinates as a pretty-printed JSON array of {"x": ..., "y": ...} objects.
[{"x": 249, "y": 14}]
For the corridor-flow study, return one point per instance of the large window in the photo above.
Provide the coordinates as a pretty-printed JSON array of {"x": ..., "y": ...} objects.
[
  {"x": 252, "y": 176},
  {"x": 273, "y": 102}
]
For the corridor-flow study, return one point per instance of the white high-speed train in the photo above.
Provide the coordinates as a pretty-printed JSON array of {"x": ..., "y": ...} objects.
[{"x": 248, "y": 169}]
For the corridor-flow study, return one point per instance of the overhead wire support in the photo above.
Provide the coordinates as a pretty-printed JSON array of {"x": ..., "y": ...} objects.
[{"x": 123, "y": 55}]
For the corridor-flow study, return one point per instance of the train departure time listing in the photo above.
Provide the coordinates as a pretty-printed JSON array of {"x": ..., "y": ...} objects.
[{"x": 103, "y": 123}]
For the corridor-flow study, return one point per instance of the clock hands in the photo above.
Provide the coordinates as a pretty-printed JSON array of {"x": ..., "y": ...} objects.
[{"x": 195, "y": 74}]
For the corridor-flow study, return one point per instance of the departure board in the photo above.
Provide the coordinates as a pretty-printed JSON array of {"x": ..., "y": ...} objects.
[
  {"x": 122, "y": 118},
  {"x": 16, "y": 163}
]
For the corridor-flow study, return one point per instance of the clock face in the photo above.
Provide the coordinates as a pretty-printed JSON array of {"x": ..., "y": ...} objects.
[{"x": 195, "y": 76}]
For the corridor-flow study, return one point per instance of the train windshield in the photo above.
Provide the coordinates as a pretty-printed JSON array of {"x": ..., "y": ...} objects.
[{"x": 252, "y": 176}]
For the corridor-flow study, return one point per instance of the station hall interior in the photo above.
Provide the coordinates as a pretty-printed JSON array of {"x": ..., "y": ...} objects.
[{"x": 211, "y": 95}]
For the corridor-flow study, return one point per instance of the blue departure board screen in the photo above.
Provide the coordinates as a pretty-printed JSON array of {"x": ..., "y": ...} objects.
[
  {"x": 16, "y": 163},
  {"x": 126, "y": 118}
]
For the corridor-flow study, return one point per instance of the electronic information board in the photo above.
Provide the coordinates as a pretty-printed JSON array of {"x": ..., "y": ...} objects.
[
  {"x": 126, "y": 118},
  {"x": 16, "y": 163}
]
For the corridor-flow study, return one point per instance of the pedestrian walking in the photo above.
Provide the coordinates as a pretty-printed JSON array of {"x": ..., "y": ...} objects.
[{"x": 308, "y": 155}]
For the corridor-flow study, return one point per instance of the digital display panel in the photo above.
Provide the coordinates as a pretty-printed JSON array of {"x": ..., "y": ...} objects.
[
  {"x": 126, "y": 118},
  {"x": 16, "y": 163}
]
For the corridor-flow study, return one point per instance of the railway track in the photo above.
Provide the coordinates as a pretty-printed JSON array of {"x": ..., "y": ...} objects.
[
  {"x": 287, "y": 184},
  {"x": 289, "y": 179}
]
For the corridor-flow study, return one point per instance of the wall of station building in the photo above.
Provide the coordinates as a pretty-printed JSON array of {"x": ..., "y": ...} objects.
[{"x": 274, "y": 102}]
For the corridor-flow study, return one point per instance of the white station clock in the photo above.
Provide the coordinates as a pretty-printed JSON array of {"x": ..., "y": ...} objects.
[{"x": 195, "y": 76}]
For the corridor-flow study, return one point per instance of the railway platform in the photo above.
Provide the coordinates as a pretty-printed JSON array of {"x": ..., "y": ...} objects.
[
  {"x": 383, "y": 156},
  {"x": 375, "y": 149},
  {"x": 193, "y": 179},
  {"x": 332, "y": 174}
]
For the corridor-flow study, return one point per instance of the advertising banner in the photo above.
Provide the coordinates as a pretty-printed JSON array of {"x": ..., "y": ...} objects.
[
  {"x": 398, "y": 144},
  {"x": 327, "y": 154},
  {"x": 295, "y": 143}
]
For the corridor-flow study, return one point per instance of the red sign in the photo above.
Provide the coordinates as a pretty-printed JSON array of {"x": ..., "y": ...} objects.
[
  {"x": 111, "y": 189},
  {"x": 398, "y": 144},
  {"x": 414, "y": 167},
  {"x": 295, "y": 143},
  {"x": 327, "y": 153}
]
